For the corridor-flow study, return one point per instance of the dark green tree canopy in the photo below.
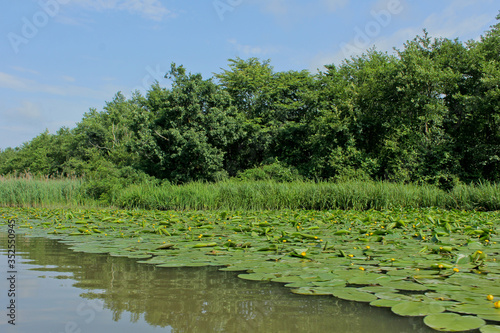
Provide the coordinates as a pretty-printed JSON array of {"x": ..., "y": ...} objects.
[{"x": 429, "y": 113}]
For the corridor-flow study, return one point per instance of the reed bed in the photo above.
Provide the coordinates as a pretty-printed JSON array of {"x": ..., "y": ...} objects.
[
  {"x": 259, "y": 195},
  {"x": 31, "y": 191}
]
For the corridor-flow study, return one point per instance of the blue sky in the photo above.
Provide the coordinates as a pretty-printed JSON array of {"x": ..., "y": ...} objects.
[{"x": 58, "y": 58}]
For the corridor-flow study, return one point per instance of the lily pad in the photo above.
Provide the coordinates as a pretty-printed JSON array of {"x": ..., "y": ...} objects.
[
  {"x": 490, "y": 329},
  {"x": 416, "y": 308},
  {"x": 385, "y": 303},
  {"x": 405, "y": 285},
  {"x": 452, "y": 322},
  {"x": 477, "y": 309},
  {"x": 352, "y": 294}
]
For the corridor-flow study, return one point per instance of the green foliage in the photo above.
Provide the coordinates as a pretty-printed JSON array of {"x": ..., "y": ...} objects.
[
  {"x": 428, "y": 114},
  {"x": 276, "y": 171}
]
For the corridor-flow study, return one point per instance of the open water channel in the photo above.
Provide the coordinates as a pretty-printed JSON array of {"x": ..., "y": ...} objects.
[{"x": 58, "y": 290}]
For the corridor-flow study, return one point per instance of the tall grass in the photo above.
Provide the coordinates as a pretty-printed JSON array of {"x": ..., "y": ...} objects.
[
  {"x": 257, "y": 195},
  {"x": 32, "y": 191},
  {"x": 248, "y": 195}
]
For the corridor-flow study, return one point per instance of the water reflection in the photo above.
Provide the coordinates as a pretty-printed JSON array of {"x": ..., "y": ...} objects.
[{"x": 189, "y": 299}]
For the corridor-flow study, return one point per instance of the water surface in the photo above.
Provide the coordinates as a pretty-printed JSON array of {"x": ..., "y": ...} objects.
[{"x": 59, "y": 290}]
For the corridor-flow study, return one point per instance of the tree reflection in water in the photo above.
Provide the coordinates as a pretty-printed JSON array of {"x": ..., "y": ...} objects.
[{"x": 205, "y": 299}]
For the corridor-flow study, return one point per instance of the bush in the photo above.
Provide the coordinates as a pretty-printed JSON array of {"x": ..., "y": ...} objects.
[{"x": 276, "y": 171}]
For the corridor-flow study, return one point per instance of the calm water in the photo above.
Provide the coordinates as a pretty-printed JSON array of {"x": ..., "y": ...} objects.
[{"x": 59, "y": 290}]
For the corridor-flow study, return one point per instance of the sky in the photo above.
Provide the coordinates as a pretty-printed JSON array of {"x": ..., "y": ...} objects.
[{"x": 59, "y": 58}]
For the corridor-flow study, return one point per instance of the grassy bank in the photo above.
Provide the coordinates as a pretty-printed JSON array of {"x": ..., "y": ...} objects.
[
  {"x": 29, "y": 191},
  {"x": 308, "y": 195},
  {"x": 247, "y": 195}
]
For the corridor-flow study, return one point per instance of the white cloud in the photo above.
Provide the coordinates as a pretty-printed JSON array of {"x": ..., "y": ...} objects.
[
  {"x": 450, "y": 25},
  {"x": 25, "y": 70},
  {"x": 26, "y": 85},
  {"x": 27, "y": 111},
  {"x": 149, "y": 9},
  {"x": 459, "y": 19},
  {"x": 16, "y": 83}
]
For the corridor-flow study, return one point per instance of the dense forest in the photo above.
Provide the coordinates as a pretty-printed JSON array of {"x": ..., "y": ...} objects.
[{"x": 429, "y": 113}]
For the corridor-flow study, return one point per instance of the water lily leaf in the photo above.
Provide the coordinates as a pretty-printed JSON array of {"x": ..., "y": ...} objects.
[
  {"x": 378, "y": 289},
  {"x": 308, "y": 291},
  {"x": 384, "y": 303},
  {"x": 165, "y": 246},
  {"x": 365, "y": 279},
  {"x": 352, "y": 294},
  {"x": 452, "y": 322},
  {"x": 416, "y": 308},
  {"x": 288, "y": 279},
  {"x": 299, "y": 284},
  {"x": 490, "y": 329},
  {"x": 485, "y": 308},
  {"x": 257, "y": 276},
  {"x": 494, "y": 317},
  {"x": 331, "y": 283},
  {"x": 211, "y": 244},
  {"x": 405, "y": 285},
  {"x": 393, "y": 296}
]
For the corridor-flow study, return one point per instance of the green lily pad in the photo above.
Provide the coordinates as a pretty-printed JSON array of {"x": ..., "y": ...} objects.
[
  {"x": 490, "y": 329},
  {"x": 384, "y": 303},
  {"x": 393, "y": 296},
  {"x": 416, "y": 308},
  {"x": 257, "y": 276},
  {"x": 310, "y": 291},
  {"x": 490, "y": 317},
  {"x": 405, "y": 285},
  {"x": 352, "y": 294},
  {"x": 299, "y": 284},
  {"x": 452, "y": 322},
  {"x": 478, "y": 309},
  {"x": 378, "y": 289}
]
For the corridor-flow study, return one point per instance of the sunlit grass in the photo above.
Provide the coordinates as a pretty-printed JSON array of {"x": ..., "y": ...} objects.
[
  {"x": 249, "y": 195},
  {"x": 359, "y": 195},
  {"x": 31, "y": 191}
]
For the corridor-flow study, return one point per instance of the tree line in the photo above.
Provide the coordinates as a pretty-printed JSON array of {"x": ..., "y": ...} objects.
[{"x": 429, "y": 113}]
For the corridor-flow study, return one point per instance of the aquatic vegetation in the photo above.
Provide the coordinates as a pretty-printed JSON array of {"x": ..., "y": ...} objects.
[
  {"x": 438, "y": 264},
  {"x": 247, "y": 195}
]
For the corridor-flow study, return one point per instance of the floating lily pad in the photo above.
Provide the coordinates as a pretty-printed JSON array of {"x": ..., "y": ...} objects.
[
  {"x": 405, "y": 285},
  {"x": 482, "y": 309},
  {"x": 386, "y": 303},
  {"x": 352, "y": 294},
  {"x": 310, "y": 291},
  {"x": 416, "y": 308},
  {"x": 257, "y": 276},
  {"x": 490, "y": 317},
  {"x": 452, "y": 322},
  {"x": 490, "y": 329}
]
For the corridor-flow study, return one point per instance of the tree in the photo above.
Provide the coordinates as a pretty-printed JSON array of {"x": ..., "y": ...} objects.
[{"x": 188, "y": 129}]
